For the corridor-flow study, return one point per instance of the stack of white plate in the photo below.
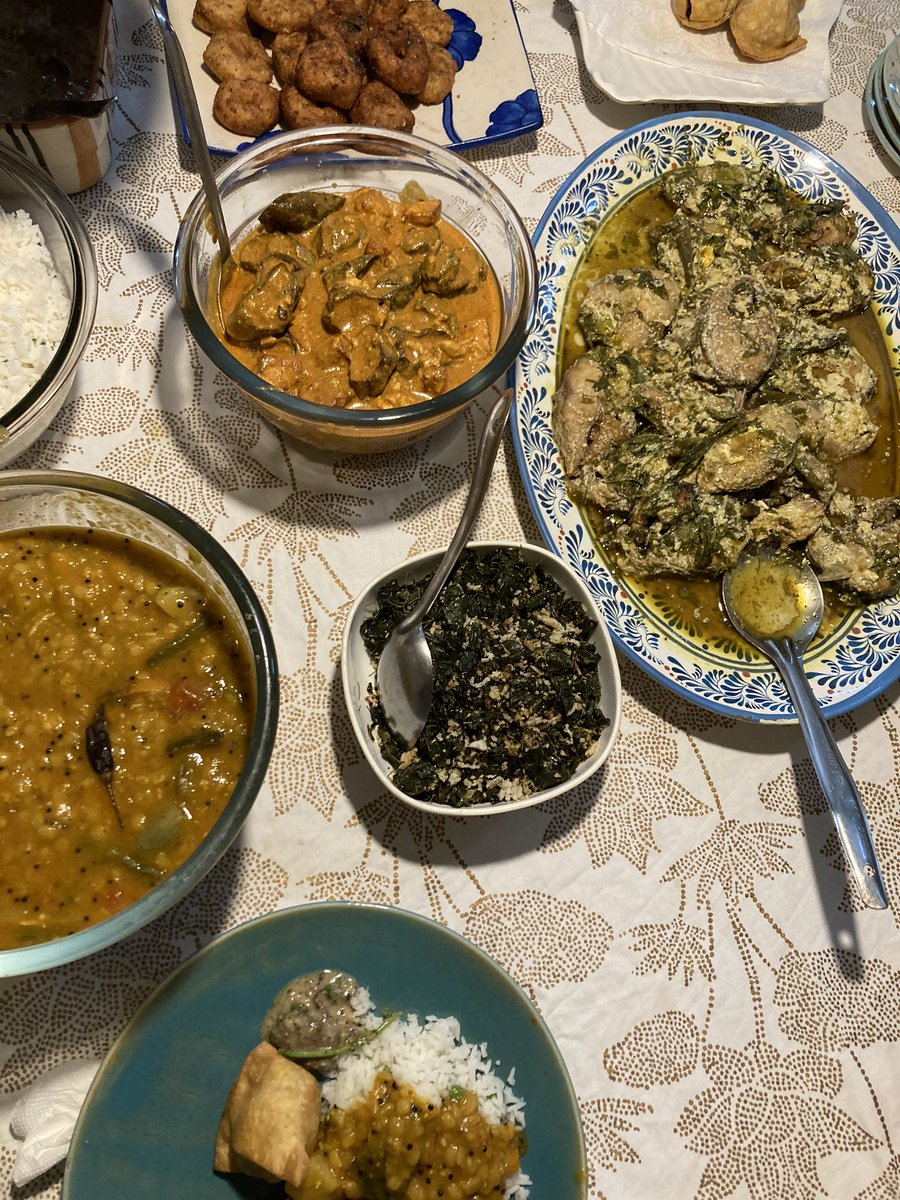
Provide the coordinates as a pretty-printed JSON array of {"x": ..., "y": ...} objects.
[{"x": 882, "y": 99}]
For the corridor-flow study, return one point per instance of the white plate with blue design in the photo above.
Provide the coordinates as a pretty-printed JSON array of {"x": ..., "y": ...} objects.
[
  {"x": 860, "y": 657},
  {"x": 493, "y": 97}
]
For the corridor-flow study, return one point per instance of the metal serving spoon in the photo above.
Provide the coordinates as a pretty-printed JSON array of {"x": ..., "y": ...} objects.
[
  {"x": 405, "y": 675},
  {"x": 777, "y": 606},
  {"x": 187, "y": 98}
]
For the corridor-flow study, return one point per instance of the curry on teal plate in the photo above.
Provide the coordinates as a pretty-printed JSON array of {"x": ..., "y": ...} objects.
[
  {"x": 860, "y": 656},
  {"x": 148, "y": 1126}
]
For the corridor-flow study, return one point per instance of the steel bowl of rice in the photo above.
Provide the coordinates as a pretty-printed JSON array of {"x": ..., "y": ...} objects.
[{"x": 48, "y": 298}]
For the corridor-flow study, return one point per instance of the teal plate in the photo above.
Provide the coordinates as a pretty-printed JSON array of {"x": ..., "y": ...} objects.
[{"x": 148, "y": 1125}]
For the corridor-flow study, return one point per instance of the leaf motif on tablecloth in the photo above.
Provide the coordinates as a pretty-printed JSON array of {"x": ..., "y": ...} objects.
[
  {"x": 155, "y": 288},
  {"x": 361, "y": 885},
  {"x": 880, "y": 804},
  {"x": 886, "y": 1186},
  {"x": 794, "y": 791},
  {"x": 619, "y": 820},
  {"x": 541, "y": 940},
  {"x": 767, "y": 1121},
  {"x": 672, "y": 947},
  {"x": 150, "y": 161},
  {"x": 606, "y": 1123},
  {"x": 109, "y": 410},
  {"x": 314, "y": 745},
  {"x": 390, "y": 471},
  {"x": 852, "y": 49},
  {"x": 733, "y": 856},
  {"x": 243, "y": 884},
  {"x": 660, "y": 1050},
  {"x": 297, "y": 524},
  {"x": 127, "y": 345},
  {"x": 117, "y": 221},
  {"x": 833, "y": 998}
]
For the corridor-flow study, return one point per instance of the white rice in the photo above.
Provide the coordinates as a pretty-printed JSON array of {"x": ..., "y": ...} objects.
[
  {"x": 431, "y": 1057},
  {"x": 34, "y": 307}
]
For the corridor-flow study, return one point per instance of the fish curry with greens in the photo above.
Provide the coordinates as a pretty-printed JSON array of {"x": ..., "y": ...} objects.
[
  {"x": 354, "y": 300},
  {"x": 714, "y": 396}
]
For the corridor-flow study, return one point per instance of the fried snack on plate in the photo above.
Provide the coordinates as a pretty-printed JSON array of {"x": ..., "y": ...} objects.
[
  {"x": 382, "y": 11},
  {"x": 766, "y": 30},
  {"x": 435, "y": 26},
  {"x": 329, "y": 71},
  {"x": 441, "y": 74},
  {"x": 246, "y": 106},
  {"x": 286, "y": 51},
  {"x": 398, "y": 56},
  {"x": 297, "y": 112},
  {"x": 282, "y": 16},
  {"x": 214, "y": 15},
  {"x": 342, "y": 22},
  {"x": 270, "y": 1122},
  {"x": 703, "y": 14},
  {"x": 379, "y": 105},
  {"x": 232, "y": 54}
]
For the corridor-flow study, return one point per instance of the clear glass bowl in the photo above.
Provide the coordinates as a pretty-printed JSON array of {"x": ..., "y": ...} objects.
[
  {"x": 39, "y": 499},
  {"x": 346, "y": 158},
  {"x": 23, "y": 186}
]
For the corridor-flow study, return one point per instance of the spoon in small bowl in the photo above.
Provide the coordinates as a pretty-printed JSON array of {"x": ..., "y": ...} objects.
[
  {"x": 405, "y": 675},
  {"x": 777, "y": 605}
]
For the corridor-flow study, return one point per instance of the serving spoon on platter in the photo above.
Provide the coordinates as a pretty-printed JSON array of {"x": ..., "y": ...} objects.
[
  {"x": 777, "y": 606},
  {"x": 405, "y": 673}
]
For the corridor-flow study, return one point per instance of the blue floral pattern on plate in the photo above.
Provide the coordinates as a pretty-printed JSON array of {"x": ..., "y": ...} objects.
[{"x": 861, "y": 656}]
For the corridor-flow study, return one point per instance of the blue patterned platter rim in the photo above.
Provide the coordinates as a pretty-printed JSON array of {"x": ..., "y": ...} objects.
[
  {"x": 493, "y": 97},
  {"x": 148, "y": 1126},
  {"x": 861, "y": 657}
]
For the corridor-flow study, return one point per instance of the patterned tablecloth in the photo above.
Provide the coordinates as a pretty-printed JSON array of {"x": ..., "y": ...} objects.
[{"x": 729, "y": 1015}]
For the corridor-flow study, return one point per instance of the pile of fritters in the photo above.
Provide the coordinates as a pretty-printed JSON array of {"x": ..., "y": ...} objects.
[{"x": 305, "y": 63}]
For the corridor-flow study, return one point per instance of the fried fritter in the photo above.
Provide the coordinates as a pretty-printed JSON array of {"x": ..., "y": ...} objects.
[
  {"x": 330, "y": 72},
  {"x": 232, "y": 54},
  {"x": 435, "y": 26},
  {"x": 441, "y": 74},
  {"x": 377, "y": 104},
  {"x": 299, "y": 113},
  {"x": 246, "y": 106},
  {"x": 282, "y": 16},
  {"x": 382, "y": 11},
  {"x": 212, "y": 16},
  {"x": 343, "y": 23},
  {"x": 286, "y": 51},
  {"x": 398, "y": 56}
]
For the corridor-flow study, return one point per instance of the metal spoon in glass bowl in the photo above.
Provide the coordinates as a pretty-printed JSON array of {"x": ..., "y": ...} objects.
[
  {"x": 405, "y": 675},
  {"x": 777, "y": 606}
]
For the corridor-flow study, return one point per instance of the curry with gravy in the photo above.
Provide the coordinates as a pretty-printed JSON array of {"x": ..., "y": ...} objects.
[
  {"x": 354, "y": 300},
  {"x": 126, "y": 704}
]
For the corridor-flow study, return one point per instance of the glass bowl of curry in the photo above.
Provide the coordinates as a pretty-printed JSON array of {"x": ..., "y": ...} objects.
[
  {"x": 377, "y": 284},
  {"x": 139, "y": 703}
]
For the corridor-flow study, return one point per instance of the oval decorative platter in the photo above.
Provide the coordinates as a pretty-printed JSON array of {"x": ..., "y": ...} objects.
[
  {"x": 860, "y": 657},
  {"x": 148, "y": 1126}
]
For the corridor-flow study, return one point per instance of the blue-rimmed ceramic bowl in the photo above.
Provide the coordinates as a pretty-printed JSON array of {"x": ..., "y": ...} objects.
[
  {"x": 148, "y": 1126},
  {"x": 861, "y": 656}
]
